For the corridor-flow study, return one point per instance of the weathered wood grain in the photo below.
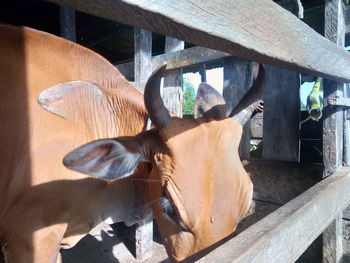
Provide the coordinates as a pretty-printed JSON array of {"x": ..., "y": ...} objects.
[
  {"x": 346, "y": 157},
  {"x": 184, "y": 58},
  {"x": 143, "y": 70},
  {"x": 333, "y": 126},
  {"x": 332, "y": 241},
  {"x": 143, "y": 55},
  {"x": 346, "y": 238},
  {"x": 237, "y": 82},
  {"x": 172, "y": 88},
  {"x": 190, "y": 56},
  {"x": 67, "y": 23},
  {"x": 347, "y": 19},
  {"x": 281, "y": 115},
  {"x": 282, "y": 107},
  {"x": 347, "y": 127},
  {"x": 257, "y": 30},
  {"x": 332, "y": 129},
  {"x": 342, "y": 102},
  {"x": 333, "y": 121},
  {"x": 284, "y": 235}
]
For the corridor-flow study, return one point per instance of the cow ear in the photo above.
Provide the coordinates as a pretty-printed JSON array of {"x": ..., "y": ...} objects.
[
  {"x": 209, "y": 103},
  {"x": 65, "y": 99},
  {"x": 106, "y": 158}
]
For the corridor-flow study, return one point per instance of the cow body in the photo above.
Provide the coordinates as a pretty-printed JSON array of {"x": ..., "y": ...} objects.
[
  {"x": 43, "y": 205},
  {"x": 189, "y": 171}
]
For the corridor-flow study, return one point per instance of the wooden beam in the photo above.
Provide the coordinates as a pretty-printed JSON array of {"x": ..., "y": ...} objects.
[
  {"x": 185, "y": 58},
  {"x": 172, "y": 88},
  {"x": 347, "y": 19},
  {"x": 67, "y": 23},
  {"x": 281, "y": 115},
  {"x": 143, "y": 70},
  {"x": 282, "y": 107},
  {"x": 258, "y": 30},
  {"x": 284, "y": 235},
  {"x": 237, "y": 82},
  {"x": 143, "y": 55},
  {"x": 342, "y": 102},
  {"x": 332, "y": 241},
  {"x": 333, "y": 126},
  {"x": 333, "y": 121},
  {"x": 347, "y": 128}
]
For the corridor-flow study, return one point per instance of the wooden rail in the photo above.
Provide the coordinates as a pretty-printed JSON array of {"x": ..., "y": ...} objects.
[
  {"x": 285, "y": 234},
  {"x": 180, "y": 59},
  {"x": 258, "y": 30}
]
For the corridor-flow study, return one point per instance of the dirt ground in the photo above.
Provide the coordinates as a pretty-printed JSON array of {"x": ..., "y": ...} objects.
[{"x": 105, "y": 244}]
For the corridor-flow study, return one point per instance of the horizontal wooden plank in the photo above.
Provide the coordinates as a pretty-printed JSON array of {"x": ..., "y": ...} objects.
[
  {"x": 182, "y": 58},
  {"x": 344, "y": 102},
  {"x": 285, "y": 234},
  {"x": 258, "y": 30}
]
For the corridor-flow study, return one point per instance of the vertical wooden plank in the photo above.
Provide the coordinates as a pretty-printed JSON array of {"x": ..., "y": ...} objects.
[
  {"x": 143, "y": 69},
  {"x": 281, "y": 115},
  {"x": 332, "y": 129},
  {"x": 143, "y": 55},
  {"x": 346, "y": 128},
  {"x": 203, "y": 72},
  {"x": 237, "y": 81},
  {"x": 172, "y": 89},
  {"x": 282, "y": 107},
  {"x": 333, "y": 121},
  {"x": 333, "y": 126},
  {"x": 332, "y": 241},
  {"x": 67, "y": 23}
]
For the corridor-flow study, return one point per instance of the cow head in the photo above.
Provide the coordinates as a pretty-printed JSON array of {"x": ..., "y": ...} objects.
[{"x": 202, "y": 190}]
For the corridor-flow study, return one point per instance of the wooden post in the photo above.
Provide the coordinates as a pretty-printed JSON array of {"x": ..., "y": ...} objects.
[
  {"x": 143, "y": 55},
  {"x": 333, "y": 126},
  {"x": 333, "y": 122},
  {"x": 347, "y": 129},
  {"x": 237, "y": 81},
  {"x": 172, "y": 90},
  {"x": 67, "y": 23},
  {"x": 281, "y": 115},
  {"x": 203, "y": 72},
  {"x": 282, "y": 107},
  {"x": 332, "y": 241},
  {"x": 143, "y": 69}
]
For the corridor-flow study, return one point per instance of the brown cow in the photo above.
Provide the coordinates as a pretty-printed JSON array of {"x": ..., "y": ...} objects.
[
  {"x": 203, "y": 190},
  {"x": 45, "y": 206}
]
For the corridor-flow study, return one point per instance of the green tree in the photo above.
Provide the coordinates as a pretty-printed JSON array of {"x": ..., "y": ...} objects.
[{"x": 188, "y": 98}]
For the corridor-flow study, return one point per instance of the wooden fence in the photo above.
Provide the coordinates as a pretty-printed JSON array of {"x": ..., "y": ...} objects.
[
  {"x": 285, "y": 234},
  {"x": 263, "y": 31}
]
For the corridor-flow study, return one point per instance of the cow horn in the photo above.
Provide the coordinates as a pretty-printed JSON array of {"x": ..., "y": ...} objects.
[{"x": 158, "y": 114}]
